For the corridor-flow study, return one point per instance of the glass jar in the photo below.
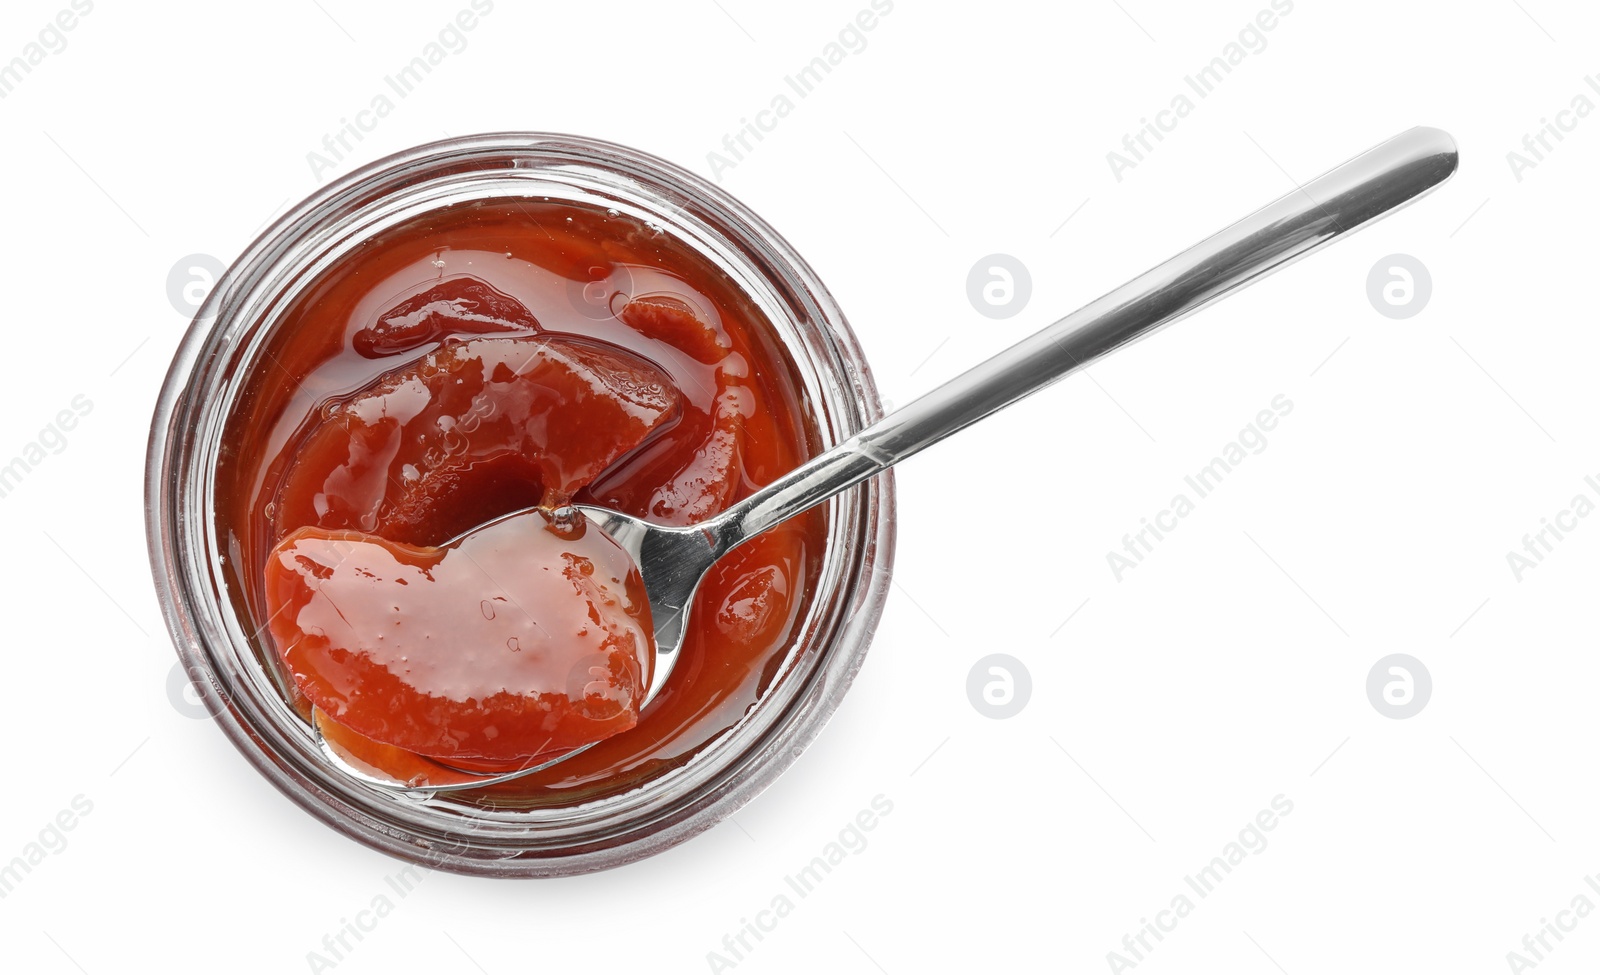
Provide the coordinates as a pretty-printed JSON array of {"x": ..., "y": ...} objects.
[{"x": 219, "y": 648}]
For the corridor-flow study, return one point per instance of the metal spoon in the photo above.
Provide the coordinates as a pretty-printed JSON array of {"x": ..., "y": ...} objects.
[{"x": 674, "y": 560}]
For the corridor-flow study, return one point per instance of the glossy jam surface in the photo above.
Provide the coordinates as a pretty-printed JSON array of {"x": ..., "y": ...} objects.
[
  {"x": 407, "y": 457},
  {"x": 475, "y": 363},
  {"x": 515, "y": 642}
]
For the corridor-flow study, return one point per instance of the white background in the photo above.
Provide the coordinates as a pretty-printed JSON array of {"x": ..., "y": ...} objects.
[{"x": 1227, "y": 669}]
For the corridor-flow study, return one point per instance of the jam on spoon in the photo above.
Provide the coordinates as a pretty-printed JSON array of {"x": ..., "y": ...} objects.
[{"x": 521, "y": 638}]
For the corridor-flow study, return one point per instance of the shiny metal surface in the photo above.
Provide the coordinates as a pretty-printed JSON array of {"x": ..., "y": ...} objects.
[{"x": 1373, "y": 184}]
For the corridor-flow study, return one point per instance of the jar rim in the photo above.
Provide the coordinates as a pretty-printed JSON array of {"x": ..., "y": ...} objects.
[{"x": 239, "y": 316}]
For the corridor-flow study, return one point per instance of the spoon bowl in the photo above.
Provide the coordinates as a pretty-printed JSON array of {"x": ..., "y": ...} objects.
[{"x": 678, "y": 558}]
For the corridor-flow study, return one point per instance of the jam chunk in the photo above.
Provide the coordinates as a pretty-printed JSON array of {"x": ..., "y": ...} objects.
[
  {"x": 706, "y": 481},
  {"x": 460, "y": 304},
  {"x": 484, "y": 423},
  {"x": 705, "y": 484},
  {"x": 672, "y": 320},
  {"x": 519, "y": 640}
]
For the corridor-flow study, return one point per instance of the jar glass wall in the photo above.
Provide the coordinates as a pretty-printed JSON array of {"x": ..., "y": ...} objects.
[{"x": 220, "y": 642}]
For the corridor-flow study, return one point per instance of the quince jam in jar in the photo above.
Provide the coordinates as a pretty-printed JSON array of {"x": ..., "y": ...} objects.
[{"x": 391, "y": 489}]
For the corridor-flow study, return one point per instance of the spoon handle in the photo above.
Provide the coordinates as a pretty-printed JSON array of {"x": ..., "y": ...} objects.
[{"x": 1377, "y": 182}]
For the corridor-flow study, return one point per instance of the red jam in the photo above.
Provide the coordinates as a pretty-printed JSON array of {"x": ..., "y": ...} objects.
[
  {"x": 516, "y": 642},
  {"x": 474, "y": 364}
]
